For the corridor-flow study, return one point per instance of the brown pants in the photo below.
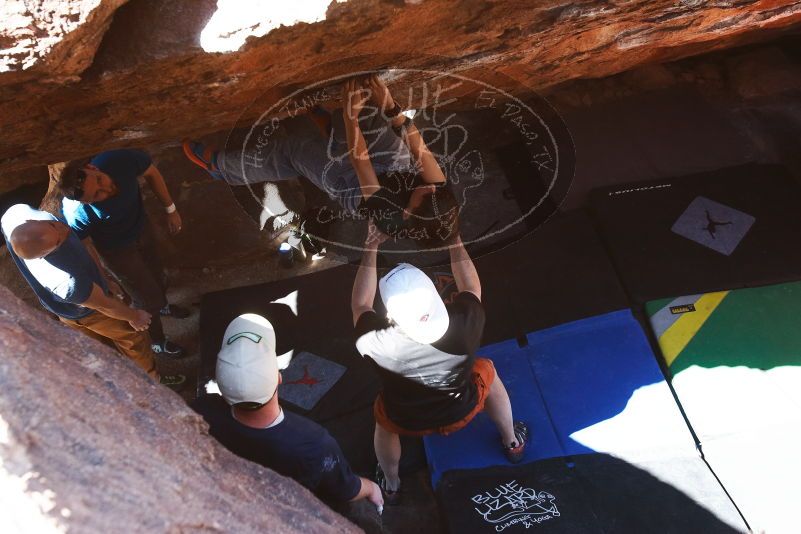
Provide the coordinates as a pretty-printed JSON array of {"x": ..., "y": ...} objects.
[{"x": 135, "y": 345}]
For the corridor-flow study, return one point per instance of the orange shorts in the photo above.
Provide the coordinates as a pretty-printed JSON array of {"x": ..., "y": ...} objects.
[{"x": 483, "y": 376}]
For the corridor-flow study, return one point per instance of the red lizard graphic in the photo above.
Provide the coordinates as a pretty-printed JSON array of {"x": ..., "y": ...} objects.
[{"x": 306, "y": 379}]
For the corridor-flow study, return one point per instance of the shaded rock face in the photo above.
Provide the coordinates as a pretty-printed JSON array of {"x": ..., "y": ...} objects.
[
  {"x": 150, "y": 83},
  {"x": 89, "y": 444},
  {"x": 53, "y": 40}
]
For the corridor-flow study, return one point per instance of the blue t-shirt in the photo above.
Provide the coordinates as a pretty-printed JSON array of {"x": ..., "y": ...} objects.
[
  {"x": 296, "y": 448},
  {"x": 116, "y": 221},
  {"x": 63, "y": 279}
]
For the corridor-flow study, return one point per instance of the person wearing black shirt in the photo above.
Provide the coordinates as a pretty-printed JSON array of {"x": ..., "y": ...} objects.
[
  {"x": 248, "y": 420},
  {"x": 425, "y": 354}
]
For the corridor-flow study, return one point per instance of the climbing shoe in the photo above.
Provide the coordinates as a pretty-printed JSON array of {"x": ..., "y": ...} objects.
[
  {"x": 172, "y": 310},
  {"x": 514, "y": 451},
  {"x": 174, "y": 382},
  {"x": 391, "y": 497},
  {"x": 168, "y": 348}
]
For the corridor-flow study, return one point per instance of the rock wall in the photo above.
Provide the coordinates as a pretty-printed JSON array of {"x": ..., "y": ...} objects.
[
  {"x": 150, "y": 83},
  {"x": 89, "y": 444},
  {"x": 51, "y": 40}
]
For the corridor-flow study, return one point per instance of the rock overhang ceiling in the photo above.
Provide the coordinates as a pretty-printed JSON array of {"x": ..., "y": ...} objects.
[{"x": 135, "y": 74}]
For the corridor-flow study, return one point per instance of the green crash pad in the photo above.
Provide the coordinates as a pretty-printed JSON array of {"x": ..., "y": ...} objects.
[
  {"x": 734, "y": 358},
  {"x": 759, "y": 328}
]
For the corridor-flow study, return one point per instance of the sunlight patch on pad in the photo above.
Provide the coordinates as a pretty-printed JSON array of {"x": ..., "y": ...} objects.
[
  {"x": 212, "y": 388},
  {"x": 728, "y": 400},
  {"x": 649, "y": 426},
  {"x": 290, "y": 300},
  {"x": 787, "y": 378}
]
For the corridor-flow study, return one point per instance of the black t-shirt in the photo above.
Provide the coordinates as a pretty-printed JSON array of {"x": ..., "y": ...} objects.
[
  {"x": 385, "y": 206},
  {"x": 296, "y": 448},
  {"x": 426, "y": 386}
]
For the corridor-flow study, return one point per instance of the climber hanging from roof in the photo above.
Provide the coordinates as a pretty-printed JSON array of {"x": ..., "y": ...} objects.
[{"x": 370, "y": 158}]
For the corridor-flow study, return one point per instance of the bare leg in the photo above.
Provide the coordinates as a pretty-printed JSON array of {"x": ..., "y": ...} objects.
[
  {"x": 388, "y": 451},
  {"x": 499, "y": 409}
]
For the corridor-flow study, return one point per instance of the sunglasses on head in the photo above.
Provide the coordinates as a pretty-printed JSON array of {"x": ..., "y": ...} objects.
[{"x": 78, "y": 191}]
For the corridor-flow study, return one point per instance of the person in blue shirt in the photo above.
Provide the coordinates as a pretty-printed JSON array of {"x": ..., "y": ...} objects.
[
  {"x": 250, "y": 422},
  {"x": 70, "y": 284},
  {"x": 103, "y": 205}
]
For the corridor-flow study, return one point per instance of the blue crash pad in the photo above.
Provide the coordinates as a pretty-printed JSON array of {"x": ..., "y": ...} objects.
[
  {"x": 604, "y": 390},
  {"x": 478, "y": 444},
  {"x": 587, "y": 386}
]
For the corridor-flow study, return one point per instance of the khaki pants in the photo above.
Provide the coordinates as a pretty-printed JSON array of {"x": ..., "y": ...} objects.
[{"x": 135, "y": 345}]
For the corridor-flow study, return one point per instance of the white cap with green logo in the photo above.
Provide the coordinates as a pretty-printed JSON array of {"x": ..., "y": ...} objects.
[{"x": 247, "y": 370}]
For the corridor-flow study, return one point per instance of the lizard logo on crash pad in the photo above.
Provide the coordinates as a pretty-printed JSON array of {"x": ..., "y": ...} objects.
[
  {"x": 308, "y": 378},
  {"x": 305, "y": 379},
  {"x": 511, "y": 504},
  {"x": 713, "y": 225}
]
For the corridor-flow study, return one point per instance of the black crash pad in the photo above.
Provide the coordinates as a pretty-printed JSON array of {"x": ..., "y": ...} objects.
[
  {"x": 322, "y": 327},
  {"x": 557, "y": 274},
  {"x": 597, "y": 493},
  {"x": 727, "y": 229}
]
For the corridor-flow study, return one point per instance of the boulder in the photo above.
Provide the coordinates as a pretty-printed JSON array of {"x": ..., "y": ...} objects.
[
  {"x": 151, "y": 83},
  {"x": 51, "y": 40},
  {"x": 89, "y": 444}
]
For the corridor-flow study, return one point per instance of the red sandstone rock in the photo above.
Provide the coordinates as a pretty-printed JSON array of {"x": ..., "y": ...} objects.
[
  {"x": 88, "y": 443},
  {"x": 762, "y": 73},
  {"x": 51, "y": 39},
  {"x": 156, "y": 93}
]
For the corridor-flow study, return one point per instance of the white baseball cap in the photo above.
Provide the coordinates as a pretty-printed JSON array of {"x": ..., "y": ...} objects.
[
  {"x": 413, "y": 303},
  {"x": 247, "y": 370}
]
